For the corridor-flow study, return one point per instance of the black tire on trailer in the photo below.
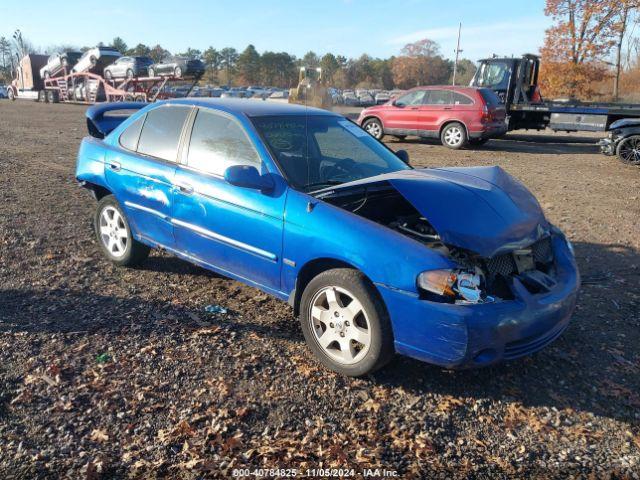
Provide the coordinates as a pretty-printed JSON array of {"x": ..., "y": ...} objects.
[
  {"x": 129, "y": 98},
  {"x": 11, "y": 95},
  {"x": 108, "y": 76},
  {"x": 476, "y": 142},
  {"x": 52, "y": 96},
  {"x": 151, "y": 72},
  {"x": 42, "y": 96},
  {"x": 178, "y": 72},
  {"x": 129, "y": 74},
  {"x": 140, "y": 98}
]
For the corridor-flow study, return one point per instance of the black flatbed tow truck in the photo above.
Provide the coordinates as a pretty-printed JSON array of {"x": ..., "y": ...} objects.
[{"x": 515, "y": 81}]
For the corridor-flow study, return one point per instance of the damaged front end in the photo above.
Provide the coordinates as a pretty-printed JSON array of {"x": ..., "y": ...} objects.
[{"x": 481, "y": 219}]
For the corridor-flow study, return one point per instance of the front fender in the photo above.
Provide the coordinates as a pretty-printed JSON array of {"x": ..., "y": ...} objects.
[{"x": 315, "y": 229}]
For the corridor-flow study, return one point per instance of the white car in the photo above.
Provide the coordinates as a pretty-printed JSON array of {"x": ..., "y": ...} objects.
[
  {"x": 59, "y": 61},
  {"x": 96, "y": 57}
]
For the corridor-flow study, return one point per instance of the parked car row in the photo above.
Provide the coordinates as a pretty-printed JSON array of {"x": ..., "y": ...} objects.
[{"x": 362, "y": 97}]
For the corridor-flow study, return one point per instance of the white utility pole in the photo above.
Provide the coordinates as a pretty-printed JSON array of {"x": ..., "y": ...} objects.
[{"x": 458, "y": 51}]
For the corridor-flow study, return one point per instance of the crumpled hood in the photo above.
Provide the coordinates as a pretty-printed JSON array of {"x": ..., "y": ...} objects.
[{"x": 482, "y": 209}]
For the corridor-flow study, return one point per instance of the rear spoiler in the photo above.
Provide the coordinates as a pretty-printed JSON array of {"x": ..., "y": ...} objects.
[{"x": 100, "y": 125}]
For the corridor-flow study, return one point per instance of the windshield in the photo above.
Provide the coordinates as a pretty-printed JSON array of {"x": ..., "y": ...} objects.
[
  {"x": 493, "y": 75},
  {"x": 318, "y": 151}
]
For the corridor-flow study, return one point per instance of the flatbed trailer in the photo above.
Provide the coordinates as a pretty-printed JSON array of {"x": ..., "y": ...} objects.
[
  {"x": 87, "y": 87},
  {"x": 515, "y": 81}
]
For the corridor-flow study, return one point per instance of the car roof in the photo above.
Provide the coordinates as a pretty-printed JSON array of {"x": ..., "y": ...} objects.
[
  {"x": 250, "y": 108},
  {"x": 457, "y": 88}
]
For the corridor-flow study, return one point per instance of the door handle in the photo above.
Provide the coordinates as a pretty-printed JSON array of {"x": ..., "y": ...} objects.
[
  {"x": 184, "y": 188},
  {"x": 115, "y": 166}
]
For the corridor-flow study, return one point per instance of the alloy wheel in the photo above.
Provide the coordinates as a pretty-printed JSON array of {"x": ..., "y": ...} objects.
[
  {"x": 629, "y": 151},
  {"x": 374, "y": 129},
  {"x": 453, "y": 136},
  {"x": 113, "y": 232},
  {"x": 340, "y": 325}
]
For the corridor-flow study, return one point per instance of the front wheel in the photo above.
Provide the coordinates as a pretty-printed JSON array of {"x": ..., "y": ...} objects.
[
  {"x": 454, "y": 136},
  {"x": 345, "y": 323},
  {"x": 628, "y": 150},
  {"x": 114, "y": 234},
  {"x": 374, "y": 128}
]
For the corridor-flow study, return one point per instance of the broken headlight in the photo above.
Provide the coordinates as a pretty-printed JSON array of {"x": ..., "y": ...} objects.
[{"x": 461, "y": 286}]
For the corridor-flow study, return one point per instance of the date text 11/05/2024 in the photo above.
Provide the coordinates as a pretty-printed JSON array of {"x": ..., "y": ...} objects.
[{"x": 314, "y": 473}]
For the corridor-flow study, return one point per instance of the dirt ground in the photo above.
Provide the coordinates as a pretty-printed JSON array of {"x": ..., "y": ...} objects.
[{"x": 108, "y": 372}]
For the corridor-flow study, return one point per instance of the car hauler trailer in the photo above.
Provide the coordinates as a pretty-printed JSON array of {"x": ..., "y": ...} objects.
[
  {"x": 515, "y": 81},
  {"x": 86, "y": 87}
]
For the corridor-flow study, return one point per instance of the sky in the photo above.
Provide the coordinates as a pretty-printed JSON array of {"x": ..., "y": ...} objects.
[{"x": 346, "y": 27}]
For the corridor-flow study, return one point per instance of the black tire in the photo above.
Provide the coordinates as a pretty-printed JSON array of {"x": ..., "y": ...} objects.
[
  {"x": 93, "y": 61},
  {"x": 42, "y": 96},
  {"x": 151, "y": 72},
  {"x": 108, "y": 76},
  {"x": 628, "y": 150},
  {"x": 52, "y": 96},
  {"x": 129, "y": 98},
  {"x": 177, "y": 72},
  {"x": 129, "y": 74},
  {"x": 454, "y": 136},
  {"x": 10, "y": 95},
  {"x": 134, "y": 252},
  {"x": 380, "y": 350},
  {"x": 373, "y": 127},
  {"x": 47, "y": 75}
]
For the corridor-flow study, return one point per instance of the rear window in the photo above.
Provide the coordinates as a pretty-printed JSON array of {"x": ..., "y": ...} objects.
[
  {"x": 490, "y": 97},
  {"x": 161, "y": 132}
]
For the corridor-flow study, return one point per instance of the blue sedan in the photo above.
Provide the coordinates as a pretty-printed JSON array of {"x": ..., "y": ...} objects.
[{"x": 453, "y": 266}]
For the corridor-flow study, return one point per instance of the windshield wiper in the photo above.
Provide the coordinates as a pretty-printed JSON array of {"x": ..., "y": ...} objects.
[{"x": 326, "y": 183}]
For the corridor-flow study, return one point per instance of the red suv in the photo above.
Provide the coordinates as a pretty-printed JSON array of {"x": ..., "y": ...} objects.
[{"x": 456, "y": 115}]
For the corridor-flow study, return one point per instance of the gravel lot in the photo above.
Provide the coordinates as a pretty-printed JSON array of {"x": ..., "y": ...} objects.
[{"x": 108, "y": 372}]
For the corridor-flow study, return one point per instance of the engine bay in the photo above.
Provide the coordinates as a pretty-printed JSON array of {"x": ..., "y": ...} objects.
[{"x": 480, "y": 279}]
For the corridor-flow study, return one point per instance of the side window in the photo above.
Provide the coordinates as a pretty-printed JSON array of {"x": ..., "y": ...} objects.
[
  {"x": 460, "y": 99},
  {"x": 129, "y": 138},
  {"x": 439, "y": 97},
  {"x": 412, "y": 98},
  {"x": 161, "y": 132},
  {"x": 218, "y": 142}
]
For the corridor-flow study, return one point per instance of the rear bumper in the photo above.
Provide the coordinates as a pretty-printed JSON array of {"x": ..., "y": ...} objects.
[
  {"x": 490, "y": 131},
  {"x": 464, "y": 336}
]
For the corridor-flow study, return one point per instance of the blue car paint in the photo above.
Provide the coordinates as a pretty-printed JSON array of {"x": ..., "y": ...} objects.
[{"x": 267, "y": 238}]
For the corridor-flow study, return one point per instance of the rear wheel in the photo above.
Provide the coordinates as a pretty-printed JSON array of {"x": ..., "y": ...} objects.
[
  {"x": 374, "y": 128},
  {"x": 345, "y": 323},
  {"x": 454, "y": 136},
  {"x": 42, "y": 96},
  {"x": 628, "y": 150},
  {"x": 114, "y": 234},
  {"x": 151, "y": 72},
  {"x": 178, "y": 72},
  {"x": 52, "y": 96},
  {"x": 108, "y": 75}
]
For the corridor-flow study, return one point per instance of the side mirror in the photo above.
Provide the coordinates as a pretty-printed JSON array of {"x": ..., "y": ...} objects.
[
  {"x": 403, "y": 155},
  {"x": 246, "y": 176},
  {"x": 398, "y": 104}
]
